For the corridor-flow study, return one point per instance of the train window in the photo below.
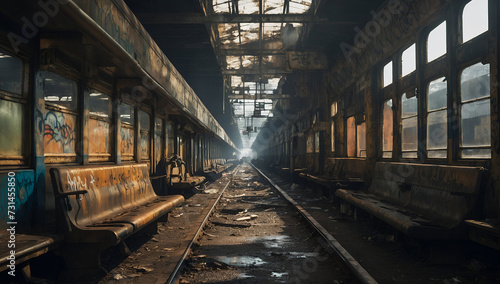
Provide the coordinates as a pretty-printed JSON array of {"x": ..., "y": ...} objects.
[
  {"x": 409, "y": 126},
  {"x": 127, "y": 114},
  {"x": 408, "y": 60},
  {"x": 333, "y": 112},
  {"x": 387, "y": 130},
  {"x": 99, "y": 104},
  {"x": 310, "y": 143},
  {"x": 475, "y": 111},
  {"x": 159, "y": 140},
  {"x": 387, "y": 74},
  {"x": 437, "y": 128},
  {"x": 144, "y": 123},
  {"x": 361, "y": 140},
  {"x": 316, "y": 142},
  {"x": 351, "y": 137},
  {"x": 60, "y": 91},
  {"x": 474, "y": 19},
  {"x": 60, "y": 125},
  {"x": 99, "y": 126},
  {"x": 10, "y": 73},
  {"x": 170, "y": 140},
  {"x": 13, "y": 129},
  {"x": 436, "y": 42},
  {"x": 127, "y": 131}
]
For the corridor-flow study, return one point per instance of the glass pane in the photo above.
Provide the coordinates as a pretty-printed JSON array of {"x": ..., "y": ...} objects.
[
  {"x": 60, "y": 91},
  {"x": 409, "y": 60},
  {"x": 476, "y": 124},
  {"x": 409, "y": 134},
  {"x": 361, "y": 137},
  {"x": 409, "y": 106},
  {"x": 410, "y": 155},
  {"x": 144, "y": 145},
  {"x": 351, "y": 137},
  {"x": 126, "y": 113},
  {"x": 10, "y": 73},
  {"x": 309, "y": 143},
  {"x": 441, "y": 154},
  {"x": 158, "y": 126},
  {"x": 100, "y": 104},
  {"x": 316, "y": 142},
  {"x": 332, "y": 137},
  {"x": 144, "y": 121},
  {"x": 334, "y": 109},
  {"x": 475, "y": 82},
  {"x": 436, "y": 42},
  {"x": 437, "y": 130},
  {"x": 436, "y": 94},
  {"x": 99, "y": 137},
  {"x": 476, "y": 153},
  {"x": 387, "y": 76},
  {"x": 387, "y": 126},
  {"x": 475, "y": 19},
  {"x": 11, "y": 128}
]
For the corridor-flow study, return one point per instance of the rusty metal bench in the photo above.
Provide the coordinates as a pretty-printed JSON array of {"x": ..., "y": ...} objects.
[
  {"x": 422, "y": 201},
  {"x": 339, "y": 172},
  {"x": 99, "y": 207},
  {"x": 178, "y": 177}
]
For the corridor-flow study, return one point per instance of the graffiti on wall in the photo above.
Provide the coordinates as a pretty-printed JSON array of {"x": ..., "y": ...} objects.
[
  {"x": 99, "y": 137},
  {"x": 24, "y": 197},
  {"x": 59, "y": 133}
]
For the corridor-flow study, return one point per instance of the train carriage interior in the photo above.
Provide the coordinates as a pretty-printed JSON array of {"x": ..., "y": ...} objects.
[{"x": 117, "y": 115}]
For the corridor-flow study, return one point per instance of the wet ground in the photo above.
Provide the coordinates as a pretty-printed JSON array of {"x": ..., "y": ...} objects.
[{"x": 256, "y": 237}]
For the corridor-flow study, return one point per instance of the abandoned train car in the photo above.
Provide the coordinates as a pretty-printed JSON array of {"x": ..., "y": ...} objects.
[
  {"x": 85, "y": 92},
  {"x": 405, "y": 124}
]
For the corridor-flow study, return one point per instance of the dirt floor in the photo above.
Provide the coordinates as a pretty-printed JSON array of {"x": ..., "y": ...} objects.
[{"x": 256, "y": 237}]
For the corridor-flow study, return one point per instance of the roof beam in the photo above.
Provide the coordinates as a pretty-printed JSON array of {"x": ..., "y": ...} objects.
[
  {"x": 199, "y": 18},
  {"x": 264, "y": 71},
  {"x": 259, "y": 97},
  {"x": 255, "y": 51}
]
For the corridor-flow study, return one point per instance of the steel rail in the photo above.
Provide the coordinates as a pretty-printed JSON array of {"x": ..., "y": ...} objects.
[
  {"x": 175, "y": 274},
  {"x": 352, "y": 264}
]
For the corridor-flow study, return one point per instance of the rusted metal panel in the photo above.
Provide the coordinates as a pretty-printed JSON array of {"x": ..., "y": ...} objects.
[
  {"x": 115, "y": 18},
  {"x": 17, "y": 197},
  {"x": 306, "y": 60}
]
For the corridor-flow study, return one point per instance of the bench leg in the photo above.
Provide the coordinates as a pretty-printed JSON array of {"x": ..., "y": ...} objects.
[
  {"x": 163, "y": 218},
  {"x": 82, "y": 261}
]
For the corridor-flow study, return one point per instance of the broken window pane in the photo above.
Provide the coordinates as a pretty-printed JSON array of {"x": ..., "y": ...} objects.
[
  {"x": 387, "y": 75},
  {"x": 409, "y": 60},
  {"x": 474, "y": 19},
  {"x": 387, "y": 132},
  {"x": 436, "y": 42},
  {"x": 126, "y": 113}
]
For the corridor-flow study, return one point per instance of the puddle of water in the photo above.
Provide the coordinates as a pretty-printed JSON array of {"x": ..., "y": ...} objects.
[
  {"x": 278, "y": 274},
  {"x": 245, "y": 276},
  {"x": 272, "y": 241},
  {"x": 298, "y": 254},
  {"x": 241, "y": 261}
]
